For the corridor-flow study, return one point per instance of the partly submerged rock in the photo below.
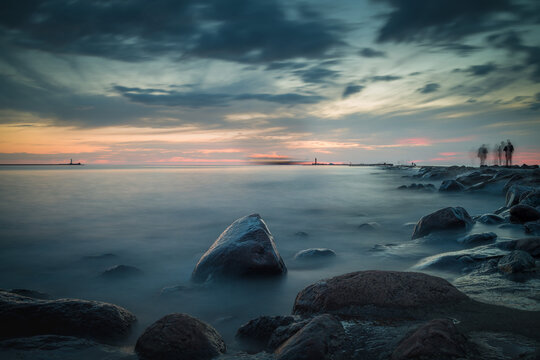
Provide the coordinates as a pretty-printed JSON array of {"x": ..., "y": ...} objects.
[
  {"x": 528, "y": 244},
  {"x": 451, "y": 186},
  {"x": 450, "y": 218},
  {"x": 322, "y": 338},
  {"x": 520, "y": 214},
  {"x": 473, "y": 178},
  {"x": 532, "y": 227},
  {"x": 121, "y": 272},
  {"x": 515, "y": 262},
  {"x": 437, "y": 339},
  {"x": 363, "y": 292},
  {"x": 179, "y": 337},
  {"x": 370, "y": 226},
  {"x": 245, "y": 248},
  {"x": 478, "y": 238},
  {"x": 490, "y": 219},
  {"x": 532, "y": 199},
  {"x": 268, "y": 332},
  {"x": 30, "y": 293},
  {"x": 515, "y": 192},
  {"x": 23, "y": 316},
  {"x": 459, "y": 261},
  {"x": 314, "y": 254}
]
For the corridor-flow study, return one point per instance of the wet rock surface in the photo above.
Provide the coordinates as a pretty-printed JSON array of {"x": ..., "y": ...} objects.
[
  {"x": 314, "y": 254},
  {"x": 121, "y": 272},
  {"x": 179, "y": 337},
  {"x": 515, "y": 262},
  {"x": 447, "y": 219},
  {"x": 23, "y": 316},
  {"x": 520, "y": 214},
  {"x": 478, "y": 238},
  {"x": 245, "y": 248},
  {"x": 490, "y": 219},
  {"x": 256, "y": 335},
  {"x": 451, "y": 186}
]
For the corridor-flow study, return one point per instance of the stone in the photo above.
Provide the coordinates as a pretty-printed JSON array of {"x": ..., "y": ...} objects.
[
  {"x": 357, "y": 293},
  {"x": 179, "y": 337},
  {"x": 121, "y": 272},
  {"x": 530, "y": 245},
  {"x": 458, "y": 261},
  {"x": 255, "y": 334},
  {"x": 473, "y": 178},
  {"x": 520, "y": 214},
  {"x": 450, "y": 218},
  {"x": 478, "y": 238},
  {"x": 515, "y": 262},
  {"x": 370, "y": 226},
  {"x": 245, "y": 248},
  {"x": 437, "y": 339},
  {"x": 532, "y": 199},
  {"x": 514, "y": 193},
  {"x": 30, "y": 293},
  {"x": 322, "y": 338},
  {"x": 314, "y": 254},
  {"x": 532, "y": 227},
  {"x": 22, "y": 316},
  {"x": 490, "y": 219},
  {"x": 451, "y": 185}
]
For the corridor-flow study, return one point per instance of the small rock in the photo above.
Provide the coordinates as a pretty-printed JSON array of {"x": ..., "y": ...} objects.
[
  {"x": 490, "y": 219},
  {"x": 533, "y": 227},
  {"x": 532, "y": 199},
  {"x": 322, "y": 338},
  {"x": 370, "y": 226},
  {"x": 451, "y": 186},
  {"x": 121, "y": 271},
  {"x": 450, "y": 218},
  {"x": 179, "y": 337},
  {"x": 515, "y": 262},
  {"x": 438, "y": 339},
  {"x": 255, "y": 334},
  {"x": 301, "y": 234},
  {"x": 245, "y": 248},
  {"x": 478, "y": 238},
  {"x": 314, "y": 254},
  {"x": 520, "y": 214}
]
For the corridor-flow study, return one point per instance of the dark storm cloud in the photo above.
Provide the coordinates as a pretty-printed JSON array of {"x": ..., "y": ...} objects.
[
  {"x": 512, "y": 42},
  {"x": 136, "y": 30},
  {"x": 419, "y": 20},
  {"x": 371, "y": 53},
  {"x": 200, "y": 100},
  {"x": 479, "y": 70},
  {"x": 317, "y": 74},
  {"x": 429, "y": 88},
  {"x": 351, "y": 89}
]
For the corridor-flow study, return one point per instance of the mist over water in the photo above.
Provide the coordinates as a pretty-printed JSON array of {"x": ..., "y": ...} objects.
[{"x": 56, "y": 223}]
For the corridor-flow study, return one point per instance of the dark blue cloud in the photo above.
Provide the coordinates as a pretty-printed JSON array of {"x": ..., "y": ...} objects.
[
  {"x": 352, "y": 89},
  {"x": 371, "y": 53},
  {"x": 317, "y": 74},
  {"x": 137, "y": 30},
  {"x": 377, "y": 78},
  {"x": 429, "y": 88},
  {"x": 479, "y": 70}
]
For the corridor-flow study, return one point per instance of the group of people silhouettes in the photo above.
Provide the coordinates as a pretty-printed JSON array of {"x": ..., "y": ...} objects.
[{"x": 504, "y": 147}]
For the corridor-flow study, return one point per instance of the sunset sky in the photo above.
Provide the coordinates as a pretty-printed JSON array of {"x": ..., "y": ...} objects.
[{"x": 239, "y": 81}]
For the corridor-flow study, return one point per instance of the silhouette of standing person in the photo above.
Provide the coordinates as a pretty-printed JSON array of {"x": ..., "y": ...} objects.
[
  {"x": 482, "y": 154},
  {"x": 500, "y": 151},
  {"x": 508, "y": 151}
]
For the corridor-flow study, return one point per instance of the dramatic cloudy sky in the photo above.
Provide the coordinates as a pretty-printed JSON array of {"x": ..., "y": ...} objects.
[{"x": 236, "y": 81}]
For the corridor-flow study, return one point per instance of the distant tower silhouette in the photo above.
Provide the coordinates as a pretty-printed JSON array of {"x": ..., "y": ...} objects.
[
  {"x": 315, "y": 161},
  {"x": 70, "y": 161}
]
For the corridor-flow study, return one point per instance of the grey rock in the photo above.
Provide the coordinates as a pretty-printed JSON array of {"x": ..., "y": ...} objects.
[
  {"x": 314, "y": 254},
  {"x": 450, "y": 218},
  {"x": 245, "y": 248},
  {"x": 370, "y": 226},
  {"x": 451, "y": 186},
  {"x": 30, "y": 293},
  {"x": 255, "y": 335},
  {"x": 179, "y": 337},
  {"x": 490, "y": 219},
  {"x": 438, "y": 339},
  {"x": 531, "y": 198},
  {"x": 322, "y": 338},
  {"x": 532, "y": 227},
  {"x": 462, "y": 260},
  {"x": 22, "y": 316},
  {"x": 515, "y": 192},
  {"x": 515, "y": 262},
  {"x": 520, "y": 214},
  {"x": 473, "y": 178},
  {"x": 360, "y": 293},
  {"x": 121, "y": 272},
  {"x": 478, "y": 238}
]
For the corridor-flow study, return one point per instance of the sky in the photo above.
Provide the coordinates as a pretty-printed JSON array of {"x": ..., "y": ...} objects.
[{"x": 217, "y": 82}]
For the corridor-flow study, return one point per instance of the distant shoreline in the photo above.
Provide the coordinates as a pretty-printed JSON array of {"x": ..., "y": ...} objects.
[{"x": 78, "y": 164}]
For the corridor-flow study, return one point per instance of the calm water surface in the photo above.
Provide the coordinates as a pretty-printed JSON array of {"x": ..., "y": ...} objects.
[{"x": 54, "y": 221}]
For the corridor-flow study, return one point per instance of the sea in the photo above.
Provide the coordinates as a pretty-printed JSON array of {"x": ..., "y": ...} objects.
[{"x": 61, "y": 227}]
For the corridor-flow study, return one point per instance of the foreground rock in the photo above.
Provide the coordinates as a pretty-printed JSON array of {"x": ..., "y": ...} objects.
[
  {"x": 245, "y": 248},
  {"x": 268, "y": 332},
  {"x": 490, "y": 219},
  {"x": 451, "y": 186},
  {"x": 515, "y": 262},
  {"x": 57, "y": 347},
  {"x": 23, "y": 316},
  {"x": 520, "y": 214},
  {"x": 478, "y": 238},
  {"x": 322, "y": 338},
  {"x": 378, "y": 293},
  {"x": 438, "y": 339},
  {"x": 529, "y": 244},
  {"x": 314, "y": 254},
  {"x": 450, "y": 218},
  {"x": 179, "y": 337}
]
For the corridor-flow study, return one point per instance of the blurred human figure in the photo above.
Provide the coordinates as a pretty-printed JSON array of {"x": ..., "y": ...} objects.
[
  {"x": 482, "y": 154},
  {"x": 508, "y": 151},
  {"x": 500, "y": 150}
]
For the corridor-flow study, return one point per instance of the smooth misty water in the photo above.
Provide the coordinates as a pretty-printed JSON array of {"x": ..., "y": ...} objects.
[{"x": 162, "y": 219}]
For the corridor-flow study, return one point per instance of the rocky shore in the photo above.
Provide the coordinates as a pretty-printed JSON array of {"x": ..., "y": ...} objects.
[{"x": 488, "y": 307}]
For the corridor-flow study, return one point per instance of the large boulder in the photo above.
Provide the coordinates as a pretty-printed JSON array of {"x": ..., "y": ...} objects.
[
  {"x": 451, "y": 185},
  {"x": 532, "y": 227},
  {"x": 359, "y": 293},
  {"x": 520, "y": 214},
  {"x": 515, "y": 192},
  {"x": 528, "y": 244},
  {"x": 515, "y": 262},
  {"x": 450, "y": 218},
  {"x": 437, "y": 339},
  {"x": 245, "y": 248},
  {"x": 23, "y": 316},
  {"x": 179, "y": 337},
  {"x": 532, "y": 199},
  {"x": 322, "y": 338}
]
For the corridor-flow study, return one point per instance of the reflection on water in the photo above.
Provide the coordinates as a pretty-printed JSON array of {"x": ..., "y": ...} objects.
[{"x": 56, "y": 223}]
